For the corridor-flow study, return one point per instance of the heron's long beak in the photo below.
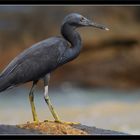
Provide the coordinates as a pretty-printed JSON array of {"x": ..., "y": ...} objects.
[{"x": 96, "y": 25}]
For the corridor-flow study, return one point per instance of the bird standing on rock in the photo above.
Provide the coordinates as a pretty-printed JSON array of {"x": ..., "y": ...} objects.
[{"x": 37, "y": 62}]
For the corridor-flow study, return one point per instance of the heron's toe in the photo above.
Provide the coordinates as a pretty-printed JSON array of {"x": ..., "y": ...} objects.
[
  {"x": 35, "y": 122},
  {"x": 62, "y": 122},
  {"x": 69, "y": 123}
]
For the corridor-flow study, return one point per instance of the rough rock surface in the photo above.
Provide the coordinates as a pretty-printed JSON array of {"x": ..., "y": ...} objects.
[{"x": 53, "y": 128}]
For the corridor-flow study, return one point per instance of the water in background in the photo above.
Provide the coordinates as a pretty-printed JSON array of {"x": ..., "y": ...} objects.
[{"x": 103, "y": 108}]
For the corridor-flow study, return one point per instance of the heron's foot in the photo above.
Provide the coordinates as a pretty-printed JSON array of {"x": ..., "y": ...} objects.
[
  {"x": 35, "y": 122},
  {"x": 62, "y": 122},
  {"x": 69, "y": 123},
  {"x": 28, "y": 123},
  {"x": 48, "y": 121}
]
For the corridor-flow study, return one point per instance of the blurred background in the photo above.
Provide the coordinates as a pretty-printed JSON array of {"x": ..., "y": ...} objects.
[{"x": 99, "y": 88}]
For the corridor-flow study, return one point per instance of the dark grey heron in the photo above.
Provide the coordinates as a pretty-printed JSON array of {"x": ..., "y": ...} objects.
[{"x": 38, "y": 61}]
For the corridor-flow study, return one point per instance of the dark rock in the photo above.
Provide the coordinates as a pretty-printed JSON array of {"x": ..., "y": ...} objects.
[
  {"x": 97, "y": 131},
  {"x": 11, "y": 129}
]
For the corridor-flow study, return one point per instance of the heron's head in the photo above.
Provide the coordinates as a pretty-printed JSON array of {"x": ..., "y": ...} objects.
[{"x": 77, "y": 20}]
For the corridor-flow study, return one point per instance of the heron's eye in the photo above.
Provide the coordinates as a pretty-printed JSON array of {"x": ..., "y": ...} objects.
[{"x": 82, "y": 18}]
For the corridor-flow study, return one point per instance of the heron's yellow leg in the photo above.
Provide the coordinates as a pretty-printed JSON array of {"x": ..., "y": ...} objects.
[
  {"x": 51, "y": 108},
  {"x": 31, "y": 98},
  {"x": 47, "y": 99}
]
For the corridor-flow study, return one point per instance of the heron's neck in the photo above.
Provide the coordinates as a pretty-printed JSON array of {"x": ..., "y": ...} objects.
[{"x": 73, "y": 37}]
